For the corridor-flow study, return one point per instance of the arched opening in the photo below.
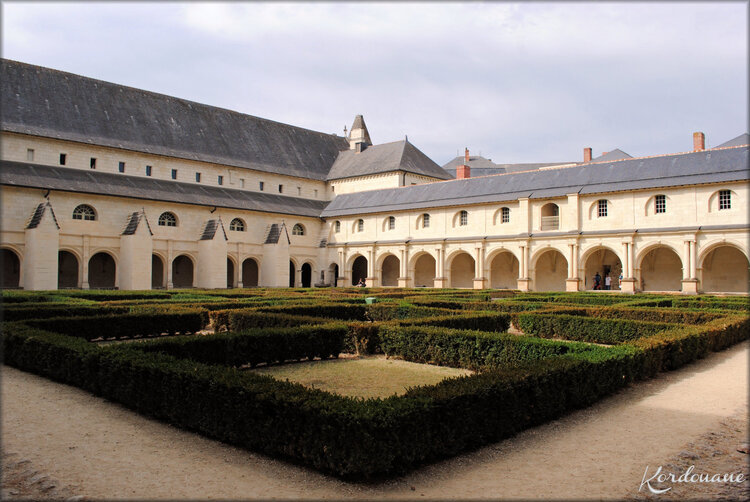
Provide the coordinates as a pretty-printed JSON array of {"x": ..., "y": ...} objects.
[
  {"x": 359, "y": 270},
  {"x": 424, "y": 271},
  {"x": 661, "y": 270},
  {"x": 604, "y": 262},
  {"x": 462, "y": 271},
  {"x": 390, "y": 270},
  {"x": 250, "y": 273},
  {"x": 550, "y": 271},
  {"x": 292, "y": 274},
  {"x": 504, "y": 271},
  {"x": 157, "y": 272},
  {"x": 67, "y": 270},
  {"x": 725, "y": 270},
  {"x": 182, "y": 272},
  {"x": 550, "y": 217},
  {"x": 11, "y": 269},
  {"x": 306, "y": 275},
  {"x": 101, "y": 271},
  {"x": 230, "y": 273}
]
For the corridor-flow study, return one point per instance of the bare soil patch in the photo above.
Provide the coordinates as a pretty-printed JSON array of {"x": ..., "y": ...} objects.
[{"x": 367, "y": 377}]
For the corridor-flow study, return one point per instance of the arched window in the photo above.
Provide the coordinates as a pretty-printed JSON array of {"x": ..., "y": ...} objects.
[
  {"x": 463, "y": 218},
  {"x": 505, "y": 215},
  {"x": 298, "y": 229},
  {"x": 167, "y": 220},
  {"x": 425, "y": 220},
  {"x": 237, "y": 225},
  {"x": 84, "y": 212},
  {"x": 550, "y": 217},
  {"x": 360, "y": 225},
  {"x": 391, "y": 222},
  {"x": 602, "y": 207},
  {"x": 337, "y": 226}
]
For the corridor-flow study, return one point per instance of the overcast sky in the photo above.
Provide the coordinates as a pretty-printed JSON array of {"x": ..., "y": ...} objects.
[{"x": 518, "y": 82}]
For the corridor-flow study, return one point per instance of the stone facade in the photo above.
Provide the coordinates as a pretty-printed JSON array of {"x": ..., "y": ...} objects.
[{"x": 689, "y": 238}]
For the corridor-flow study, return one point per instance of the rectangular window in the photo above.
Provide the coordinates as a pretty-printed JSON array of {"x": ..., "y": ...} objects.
[
  {"x": 174, "y": 174},
  {"x": 505, "y": 216},
  {"x": 261, "y": 185},
  {"x": 425, "y": 220},
  {"x": 316, "y": 193},
  {"x": 221, "y": 180},
  {"x": 197, "y": 177},
  {"x": 121, "y": 167},
  {"x": 602, "y": 209},
  {"x": 30, "y": 154},
  {"x": 92, "y": 163},
  {"x": 725, "y": 199},
  {"x": 299, "y": 190},
  {"x": 661, "y": 203},
  {"x": 148, "y": 170},
  {"x": 281, "y": 188},
  {"x": 63, "y": 158},
  {"x": 242, "y": 182}
]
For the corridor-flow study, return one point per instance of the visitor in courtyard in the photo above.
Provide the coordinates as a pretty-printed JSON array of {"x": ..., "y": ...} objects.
[
  {"x": 597, "y": 281},
  {"x": 619, "y": 281},
  {"x": 607, "y": 282},
  {"x": 361, "y": 283}
]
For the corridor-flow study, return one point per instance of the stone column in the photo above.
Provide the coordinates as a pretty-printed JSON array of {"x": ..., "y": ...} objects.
[
  {"x": 372, "y": 278},
  {"x": 479, "y": 280},
  {"x": 524, "y": 282},
  {"x": 85, "y": 263},
  {"x": 403, "y": 281},
  {"x": 440, "y": 280},
  {"x": 689, "y": 282},
  {"x": 168, "y": 268},
  {"x": 627, "y": 285},
  {"x": 572, "y": 282}
]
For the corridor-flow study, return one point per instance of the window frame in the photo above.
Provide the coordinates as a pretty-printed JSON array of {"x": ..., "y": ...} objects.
[
  {"x": 425, "y": 220},
  {"x": 725, "y": 200},
  {"x": 360, "y": 225},
  {"x": 391, "y": 223},
  {"x": 298, "y": 229},
  {"x": 84, "y": 212},
  {"x": 237, "y": 225},
  {"x": 167, "y": 219},
  {"x": 660, "y": 204},
  {"x": 463, "y": 218},
  {"x": 504, "y": 215},
  {"x": 337, "y": 226},
  {"x": 602, "y": 208}
]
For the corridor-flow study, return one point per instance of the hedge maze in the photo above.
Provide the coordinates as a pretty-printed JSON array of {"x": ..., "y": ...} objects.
[{"x": 190, "y": 364}]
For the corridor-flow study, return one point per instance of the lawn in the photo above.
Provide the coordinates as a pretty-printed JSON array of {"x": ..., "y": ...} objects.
[{"x": 366, "y": 377}]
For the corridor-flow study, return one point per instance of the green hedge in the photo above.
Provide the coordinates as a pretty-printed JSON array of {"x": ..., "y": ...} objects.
[
  {"x": 342, "y": 311},
  {"x": 585, "y": 329},
  {"x": 23, "y": 312},
  {"x": 475, "y": 350},
  {"x": 256, "y": 346},
  {"x": 123, "y": 326}
]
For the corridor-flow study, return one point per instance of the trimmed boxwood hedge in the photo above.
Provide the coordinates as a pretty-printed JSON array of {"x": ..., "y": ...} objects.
[{"x": 524, "y": 381}]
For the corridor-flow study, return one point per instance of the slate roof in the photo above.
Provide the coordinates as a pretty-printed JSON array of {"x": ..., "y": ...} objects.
[
  {"x": 742, "y": 139},
  {"x": 388, "y": 157},
  {"x": 615, "y": 154},
  {"x": 36, "y": 218},
  {"x": 95, "y": 182},
  {"x": 481, "y": 166},
  {"x": 134, "y": 220},
  {"x": 55, "y": 104},
  {"x": 710, "y": 166},
  {"x": 209, "y": 231}
]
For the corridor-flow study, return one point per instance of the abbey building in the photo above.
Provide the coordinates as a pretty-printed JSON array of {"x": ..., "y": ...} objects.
[{"x": 106, "y": 186}]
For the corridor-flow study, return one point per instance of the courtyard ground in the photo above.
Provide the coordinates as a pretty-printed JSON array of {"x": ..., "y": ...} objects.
[{"x": 61, "y": 442}]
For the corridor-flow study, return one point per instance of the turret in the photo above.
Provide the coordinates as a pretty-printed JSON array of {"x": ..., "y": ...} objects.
[{"x": 359, "y": 138}]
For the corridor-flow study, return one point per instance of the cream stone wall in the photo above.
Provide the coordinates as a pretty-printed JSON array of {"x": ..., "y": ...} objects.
[{"x": 47, "y": 152}]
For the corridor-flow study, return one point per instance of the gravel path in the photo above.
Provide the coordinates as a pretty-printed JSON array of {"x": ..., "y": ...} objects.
[{"x": 59, "y": 442}]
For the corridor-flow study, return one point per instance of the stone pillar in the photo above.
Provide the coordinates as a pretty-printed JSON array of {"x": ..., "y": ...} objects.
[
  {"x": 572, "y": 283},
  {"x": 41, "y": 248},
  {"x": 168, "y": 268},
  {"x": 689, "y": 282},
  {"x": 212, "y": 258},
  {"x": 135, "y": 257},
  {"x": 440, "y": 279},
  {"x": 85, "y": 263},
  {"x": 627, "y": 285},
  {"x": 342, "y": 279},
  {"x": 372, "y": 276},
  {"x": 524, "y": 282},
  {"x": 479, "y": 280},
  {"x": 403, "y": 281}
]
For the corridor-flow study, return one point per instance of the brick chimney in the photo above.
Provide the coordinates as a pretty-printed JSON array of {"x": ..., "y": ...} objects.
[
  {"x": 699, "y": 141},
  {"x": 463, "y": 172},
  {"x": 587, "y": 154},
  {"x": 466, "y": 157}
]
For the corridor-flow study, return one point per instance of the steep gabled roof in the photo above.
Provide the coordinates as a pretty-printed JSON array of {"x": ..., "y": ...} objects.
[
  {"x": 709, "y": 166},
  {"x": 55, "y": 104},
  {"x": 209, "y": 231},
  {"x": 481, "y": 166},
  {"x": 95, "y": 182},
  {"x": 612, "y": 155},
  {"x": 388, "y": 157},
  {"x": 742, "y": 139}
]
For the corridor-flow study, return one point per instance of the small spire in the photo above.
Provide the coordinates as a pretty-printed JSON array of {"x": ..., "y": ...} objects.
[{"x": 359, "y": 138}]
